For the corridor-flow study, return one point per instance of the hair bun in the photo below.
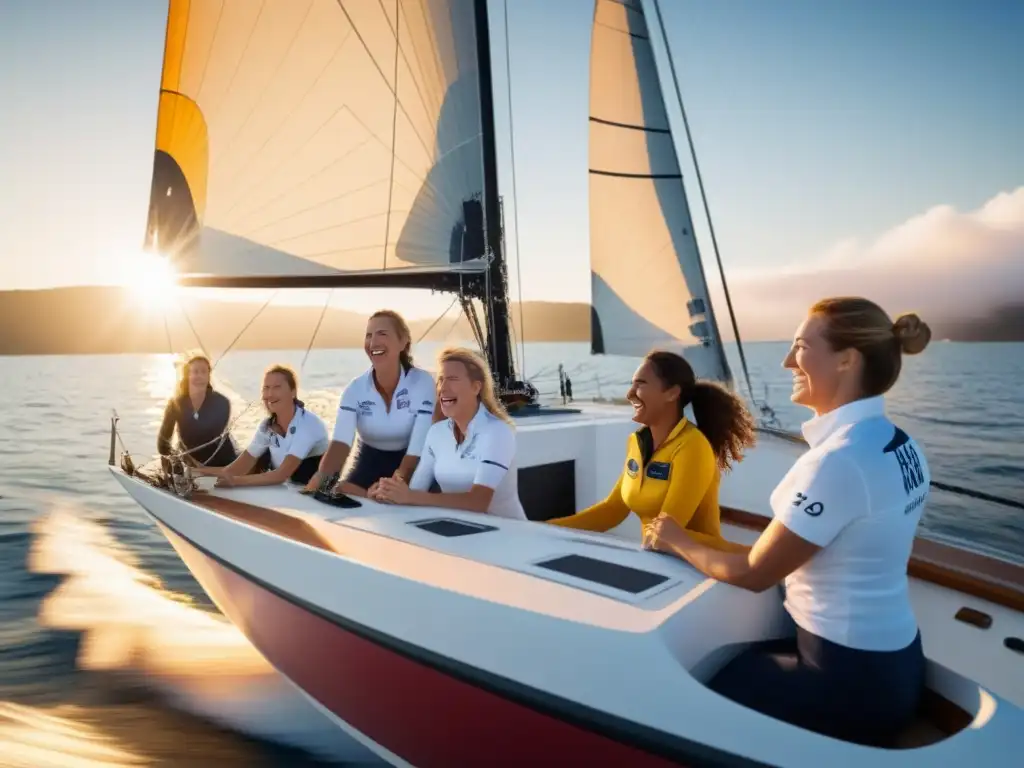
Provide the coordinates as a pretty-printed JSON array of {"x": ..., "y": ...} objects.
[{"x": 912, "y": 332}]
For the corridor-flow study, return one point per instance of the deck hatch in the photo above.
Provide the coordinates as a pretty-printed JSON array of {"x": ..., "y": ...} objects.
[
  {"x": 625, "y": 578},
  {"x": 449, "y": 528}
]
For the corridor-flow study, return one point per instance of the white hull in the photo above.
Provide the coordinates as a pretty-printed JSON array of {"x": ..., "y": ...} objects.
[{"x": 526, "y": 642}]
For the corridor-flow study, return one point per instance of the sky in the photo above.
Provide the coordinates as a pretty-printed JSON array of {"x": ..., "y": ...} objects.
[{"x": 835, "y": 140}]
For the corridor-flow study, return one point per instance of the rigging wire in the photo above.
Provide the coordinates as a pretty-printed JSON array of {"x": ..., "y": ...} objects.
[
  {"x": 704, "y": 202},
  {"x": 515, "y": 199},
  {"x": 438, "y": 320},
  {"x": 323, "y": 313},
  {"x": 244, "y": 329}
]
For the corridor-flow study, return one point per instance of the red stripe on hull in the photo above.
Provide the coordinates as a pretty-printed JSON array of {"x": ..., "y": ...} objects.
[{"x": 419, "y": 713}]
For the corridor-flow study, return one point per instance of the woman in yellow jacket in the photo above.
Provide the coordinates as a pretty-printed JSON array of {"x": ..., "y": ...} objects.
[{"x": 673, "y": 465}]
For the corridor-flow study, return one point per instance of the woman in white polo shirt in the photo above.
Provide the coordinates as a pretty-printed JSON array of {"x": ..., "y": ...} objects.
[
  {"x": 390, "y": 407},
  {"x": 287, "y": 445},
  {"x": 844, "y": 522},
  {"x": 471, "y": 454}
]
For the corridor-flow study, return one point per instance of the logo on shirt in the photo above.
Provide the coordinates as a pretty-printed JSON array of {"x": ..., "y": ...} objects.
[
  {"x": 404, "y": 392},
  {"x": 658, "y": 470},
  {"x": 366, "y": 407},
  {"x": 291, "y": 430},
  {"x": 403, "y": 402},
  {"x": 467, "y": 452},
  {"x": 813, "y": 509},
  {"x": 907, "y": 459},
  {"x": 632, "y": 467},
  {"x": 915, "y": 504}
]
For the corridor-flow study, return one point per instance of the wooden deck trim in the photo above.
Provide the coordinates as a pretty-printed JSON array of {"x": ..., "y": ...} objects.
[
  {"x": 270, "y": 520},
  {"x": 997, "y": 581}
]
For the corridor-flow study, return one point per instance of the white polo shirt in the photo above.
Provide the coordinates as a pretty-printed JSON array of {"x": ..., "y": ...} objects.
[
  {"x": 487, "y": 456},
  {"x": 306, "y": 436},
  {"x": 402, "y": 427},
  {"x": 859, "y": 493}
]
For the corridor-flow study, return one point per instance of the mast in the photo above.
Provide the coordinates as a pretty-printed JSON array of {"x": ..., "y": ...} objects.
[{"x": 499, "y": 347}]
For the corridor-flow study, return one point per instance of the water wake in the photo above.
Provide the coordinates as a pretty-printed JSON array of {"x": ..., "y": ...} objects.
[{"x": 142, "y": 635}]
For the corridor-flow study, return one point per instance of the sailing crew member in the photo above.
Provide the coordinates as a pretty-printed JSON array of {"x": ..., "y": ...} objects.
[
  {"x": 673, "y": 466},
  {"x": 471, "y": 454},
  {"x": 845, "y": 517},
  {"x": 390, "y": 407},
  {"x": 287, "y": 445},
  {"x": 200, "y": 414}
]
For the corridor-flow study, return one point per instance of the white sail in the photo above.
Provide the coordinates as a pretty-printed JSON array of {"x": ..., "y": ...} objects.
[
  {"x": 647, "y": 282},
  {"x": 318, "y": 138}
]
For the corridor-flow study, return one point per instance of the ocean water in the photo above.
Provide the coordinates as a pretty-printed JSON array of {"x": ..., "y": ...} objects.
[{"x": 111, "y": 655}]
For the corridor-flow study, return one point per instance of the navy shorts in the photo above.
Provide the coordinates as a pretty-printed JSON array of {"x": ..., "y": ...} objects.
[
  {"x": 867, "y": 697},
  {"x": 371, "y": 464}
]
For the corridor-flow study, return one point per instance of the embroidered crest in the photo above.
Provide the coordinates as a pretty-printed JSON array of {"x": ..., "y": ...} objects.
[
  {"x": 632, "y": 468},
  {"x": 291, "y": 430},
  {"x": 403, "y": 402}
]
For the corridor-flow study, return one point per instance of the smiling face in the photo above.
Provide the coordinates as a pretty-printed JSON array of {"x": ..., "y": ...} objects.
[
  {"x": 383, "y": 343},
  {"x": 822, "y": 377},
  {"x": 278, "y": 396},
  {"x": 198, "y": 374},
  {"x": 457, "y": 393},
  {"x": 652, "y": 401}
]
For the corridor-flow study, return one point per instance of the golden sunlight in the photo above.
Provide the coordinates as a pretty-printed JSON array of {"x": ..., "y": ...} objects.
[{"x": 152, "y": 281}]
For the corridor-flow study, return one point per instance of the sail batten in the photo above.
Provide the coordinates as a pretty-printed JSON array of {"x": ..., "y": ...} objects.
[
  {"x": 324, "y": 136},
  {"x": 647, "y": 283}
]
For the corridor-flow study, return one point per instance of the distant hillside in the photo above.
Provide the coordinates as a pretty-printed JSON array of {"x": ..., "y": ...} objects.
[
  {"x": 106, "y": 320},
  {"x": 1004, "y": 323}
]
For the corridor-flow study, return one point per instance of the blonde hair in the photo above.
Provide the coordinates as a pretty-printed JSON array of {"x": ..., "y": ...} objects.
[
  {"x": 851, "y": 321},
  {"x": 181, "y": 389},
  {"x": 478, "y": 371},
  {"x": 402, "y": 327}
]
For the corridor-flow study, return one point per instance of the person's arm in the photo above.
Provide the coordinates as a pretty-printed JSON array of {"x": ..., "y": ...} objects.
[
  {"x": 812, "y": 505},
  {"x": 309, "y": 432},
  {"x": 602, "y": 516},
  {"x": 163, "y": 439},
  {"x": 341, "y": 442},
  {"x": 689, "y": 476},
  {"x": 242, "y": 465},
  {"x": 497, "y": 450},
  {"x": 271, "y": 477},
  {"x": 423, "y": 400}
]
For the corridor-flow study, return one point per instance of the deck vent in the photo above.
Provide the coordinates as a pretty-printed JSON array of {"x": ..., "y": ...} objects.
[
  {"x": 443, "y": 526},
  {"x": 613, "y": 575}
]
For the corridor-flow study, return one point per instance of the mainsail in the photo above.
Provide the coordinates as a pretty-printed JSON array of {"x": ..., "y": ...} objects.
[
  {"x": 647, "y": 282},
  {"x": 320, "y": 143}
]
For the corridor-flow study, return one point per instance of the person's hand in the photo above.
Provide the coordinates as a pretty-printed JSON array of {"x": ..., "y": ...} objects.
[
  {"x": 224, "y": 481},
  {"x": 660, "y": 534},
  {"x": 314, "y": 483},
  {"x": 392, "y": 490},
  {"x": 371, "y": 492}
]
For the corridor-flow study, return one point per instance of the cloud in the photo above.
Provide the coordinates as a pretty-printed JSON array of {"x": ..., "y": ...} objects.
[{"x": 944, "y": 264}]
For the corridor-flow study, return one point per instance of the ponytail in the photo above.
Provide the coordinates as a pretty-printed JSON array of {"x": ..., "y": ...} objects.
[{"x": 724, "y": 420}]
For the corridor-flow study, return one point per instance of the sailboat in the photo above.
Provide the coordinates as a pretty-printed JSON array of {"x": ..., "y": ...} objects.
[{"x": 334, "y": 143}]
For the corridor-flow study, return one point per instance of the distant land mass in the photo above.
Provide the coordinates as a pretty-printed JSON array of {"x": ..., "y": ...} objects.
[
  {"x": 107, "y": 320},
  {"x": 93, "y": 320}
]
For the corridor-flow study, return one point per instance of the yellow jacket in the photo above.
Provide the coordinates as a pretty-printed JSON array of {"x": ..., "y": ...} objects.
[{"x": 679, "y": 480}]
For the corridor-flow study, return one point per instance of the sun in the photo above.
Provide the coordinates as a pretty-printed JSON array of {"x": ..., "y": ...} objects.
[{"x": 152, "y": 281}]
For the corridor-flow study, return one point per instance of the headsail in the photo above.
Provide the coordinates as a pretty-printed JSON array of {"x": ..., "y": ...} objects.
[
  {"x": 647, "y": 282},
  {"x": 319, "y": 142}
]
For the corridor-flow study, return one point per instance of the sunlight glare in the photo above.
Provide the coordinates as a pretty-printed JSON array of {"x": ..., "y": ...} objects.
[{"x": 152, "y": 281}]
